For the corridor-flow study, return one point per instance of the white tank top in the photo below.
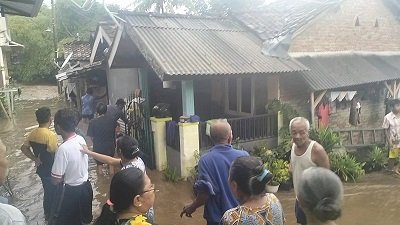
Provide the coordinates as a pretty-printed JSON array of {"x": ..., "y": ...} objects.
[{"x": 300, "y": 163}]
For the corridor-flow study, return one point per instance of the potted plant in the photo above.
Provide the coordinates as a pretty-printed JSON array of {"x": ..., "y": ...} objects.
[{"x": 280, "y": 169}]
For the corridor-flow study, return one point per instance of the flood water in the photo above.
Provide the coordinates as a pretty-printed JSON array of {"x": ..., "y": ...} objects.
[{"x": 375, "y": 200}]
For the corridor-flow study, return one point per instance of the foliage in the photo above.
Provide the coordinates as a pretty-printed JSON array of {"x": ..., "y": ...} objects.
[
  {"x": 195, "y": 170},
  {"x": 36, "y": 59},
  {"x": 326, "y": 137},
  {"x": 288, "y": 112},
  {"x": 236, "y": 143},
  {"x": 346, "y": 166},
  {"x": 37, "y": 55},
  {"x": 280, "y": 169},
  {"x": 171, "y": 175},
  {"x": 377, "y": 159}
]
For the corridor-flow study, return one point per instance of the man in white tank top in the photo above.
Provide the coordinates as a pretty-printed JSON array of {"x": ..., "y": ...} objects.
[{"x": 305, "y": 153}]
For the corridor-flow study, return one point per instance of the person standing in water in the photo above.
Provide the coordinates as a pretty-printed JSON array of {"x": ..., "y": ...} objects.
[
  {"x": 40, "y": 146},
  {"x": 320, "y": 193},
  {"x": 305, "y": 154},
  {"x": 88, "y": 107},
  {"x": 102, "y": 132},
  {"x": 391, "y": 124},
  {"x": 70, "y": 174},
  {"x": 212, "y": 186}
]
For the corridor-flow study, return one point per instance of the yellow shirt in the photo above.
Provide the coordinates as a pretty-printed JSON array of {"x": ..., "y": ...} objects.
[{"x": 43, "y": 136}]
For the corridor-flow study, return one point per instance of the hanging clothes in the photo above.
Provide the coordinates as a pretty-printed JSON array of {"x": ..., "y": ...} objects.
[
  {"x": 358, "y": 109},
  {"x": 323, "y": 115},
  {"x": 353, "y": 117}
]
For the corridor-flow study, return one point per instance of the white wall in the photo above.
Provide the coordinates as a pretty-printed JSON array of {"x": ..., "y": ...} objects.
[{"x": 122, "y": 83}]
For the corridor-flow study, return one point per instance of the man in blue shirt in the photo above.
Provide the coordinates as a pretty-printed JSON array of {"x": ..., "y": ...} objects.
[
  {"x": 88, "y": 105},
  {"x": 212, "y": 187}
]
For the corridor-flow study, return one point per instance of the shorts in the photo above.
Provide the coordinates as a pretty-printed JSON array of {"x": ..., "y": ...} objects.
[
  {"x": 300, "y": 215},
  {"x": 394, "y": 153},
  {"x": 89, "y": 117}
]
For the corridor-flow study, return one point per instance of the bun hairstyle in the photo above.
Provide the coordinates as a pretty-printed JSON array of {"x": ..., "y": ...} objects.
[
  {"x": 128, "y": 146},
  {"x": 125, "y": 185},
  {"x": 250, "y": 175},
  {"x": 321, "y": 193}
]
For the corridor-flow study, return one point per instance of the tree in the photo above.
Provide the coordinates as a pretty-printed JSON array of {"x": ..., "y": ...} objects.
[
  {"x": 35, "y": 34},
  {"x": 36, "y": 58}
]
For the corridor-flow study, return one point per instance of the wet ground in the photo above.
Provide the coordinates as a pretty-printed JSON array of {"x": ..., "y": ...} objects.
[{"x": 375, "y": 200}]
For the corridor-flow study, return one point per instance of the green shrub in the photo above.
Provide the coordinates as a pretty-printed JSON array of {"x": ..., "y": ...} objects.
[
  {"x": 326, "y": 137},
  {"x": 346, "y": 166},
  {"x": 280, "y": 169},
  {"x": 377, "y": 159},
  {"x": 171, "y": 175}
]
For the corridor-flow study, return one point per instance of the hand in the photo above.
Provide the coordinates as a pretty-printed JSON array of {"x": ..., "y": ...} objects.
[
  {"x": 188, "y": 211},
  {"x": 85, "y": 149}
]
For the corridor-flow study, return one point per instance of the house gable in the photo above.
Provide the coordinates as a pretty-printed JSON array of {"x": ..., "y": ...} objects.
[{"x": 356, "y": 25}]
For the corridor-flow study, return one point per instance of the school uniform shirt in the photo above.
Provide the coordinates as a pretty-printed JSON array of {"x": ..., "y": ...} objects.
[
  {"x": 70, "y": 163},
  {"x": 213, "y": 179},
  {"x": 44, "y": 144}
]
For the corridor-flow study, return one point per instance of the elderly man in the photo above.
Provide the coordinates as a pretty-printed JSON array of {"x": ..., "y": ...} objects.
[
  {"x": 305, "y": 154},
  {"x": 213, "y": 186},
  {"x": 9, "y": 215}
]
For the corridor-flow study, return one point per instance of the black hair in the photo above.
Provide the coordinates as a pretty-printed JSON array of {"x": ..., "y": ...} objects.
[
  {"x": 321, "y": 193},
  {"x": 43, "y": 115},
  {"x": 120, "y": 102},
  {"x": 101, "y": 108},
  {"x": 67, "y": 119},
  {"x": 89, "y": 91},
  {"x": 250, "y": 175},
  {"x": 125, "y": 185},
  {"x": 395, "y": 102},
  {"x": 128, "y": 146}
]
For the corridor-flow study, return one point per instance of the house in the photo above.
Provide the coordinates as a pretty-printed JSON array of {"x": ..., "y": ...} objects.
[
  {"x": 349, "y": 47},
  {"x": 212, "y": 67},
  {"x": 77, "y": 74}
]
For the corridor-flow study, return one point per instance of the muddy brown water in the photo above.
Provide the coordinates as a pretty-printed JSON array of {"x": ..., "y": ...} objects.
[{"x": 375, "y": 200}]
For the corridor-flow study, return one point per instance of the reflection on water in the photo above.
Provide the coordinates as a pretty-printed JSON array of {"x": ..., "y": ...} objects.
[{"x": 375, "y": 200}]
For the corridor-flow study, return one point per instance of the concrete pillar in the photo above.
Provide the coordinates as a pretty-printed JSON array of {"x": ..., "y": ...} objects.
[
  {"x": 188, "y": 98},
  {"x": 189, "y": 143},
  {"x": 280, "y": 125},
  {"x": 158, "y": 127}
]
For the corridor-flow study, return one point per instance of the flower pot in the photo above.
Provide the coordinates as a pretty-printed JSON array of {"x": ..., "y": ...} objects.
[{"x": 272, "y": 188}]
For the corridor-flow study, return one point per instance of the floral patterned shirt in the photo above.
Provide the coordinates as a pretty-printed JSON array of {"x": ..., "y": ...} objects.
[{"x": 270, "y": 214}]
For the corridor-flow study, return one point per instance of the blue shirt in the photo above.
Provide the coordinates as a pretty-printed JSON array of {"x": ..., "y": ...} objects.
[
  {"x": 88, "y": 105},
  {"x": 213, "y": 179}
]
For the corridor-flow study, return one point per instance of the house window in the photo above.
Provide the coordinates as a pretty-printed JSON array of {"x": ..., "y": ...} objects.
[{"x": 240, "y": 96}]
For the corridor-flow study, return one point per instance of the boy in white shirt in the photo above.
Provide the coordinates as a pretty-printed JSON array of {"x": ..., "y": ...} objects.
[{"x": 70, "y": 172}]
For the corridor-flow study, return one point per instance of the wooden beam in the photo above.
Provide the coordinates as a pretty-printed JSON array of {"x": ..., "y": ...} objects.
[
  {"x": 394, "y": 89},
  {"x": 115, "y": 45},
  {"x": 312, "y": 101},
  {"x": 320, "y": 97},
  {"x": 389, "y": 88},
  {"x": 95, "y": 46},
  {"x": 397, "y": 90}
]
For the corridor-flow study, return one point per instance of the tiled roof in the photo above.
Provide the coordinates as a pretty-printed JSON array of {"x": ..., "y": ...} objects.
[
  {"x": 81, "y": 50},
  {"x": 182, "y": 45},
  {"x": 284, "y": 16},
  {"x": 337, "y": 70}
]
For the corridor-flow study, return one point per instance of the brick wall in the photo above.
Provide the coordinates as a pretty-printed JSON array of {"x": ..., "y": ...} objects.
[
  {"x": 294, "y": 91},
  {"x": 335, "y": 30}
]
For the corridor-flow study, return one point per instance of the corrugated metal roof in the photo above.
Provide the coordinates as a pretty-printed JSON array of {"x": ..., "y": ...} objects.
[
  {"x": 81, "y": 50},
  {"x": 284, "y": 16},
  {"x": 330, "y": 71},
  {"x": 177, "y": 45}
]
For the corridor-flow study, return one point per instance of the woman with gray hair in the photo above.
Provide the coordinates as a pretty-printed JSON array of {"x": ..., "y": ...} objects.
[{"x": 321, "y": 196}]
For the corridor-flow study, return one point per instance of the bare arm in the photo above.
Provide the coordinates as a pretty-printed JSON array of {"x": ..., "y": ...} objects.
[
  {"x": 101, "y": 158},
  {"x": 320, "y": 157},
  {"x": 200, "y": 200},
  {"x": 388, "y": 139},
  {"x": 26, "y": 150},
  {"x": 56, "y": 181}
]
